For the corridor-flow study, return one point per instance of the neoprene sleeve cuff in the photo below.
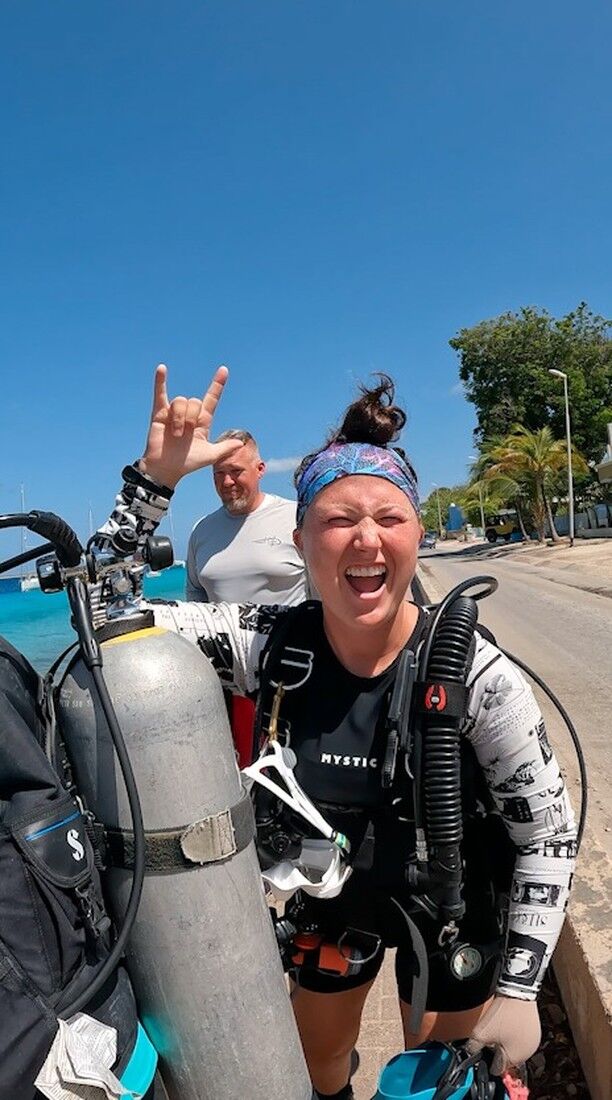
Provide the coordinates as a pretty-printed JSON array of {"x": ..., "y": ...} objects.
[{"x": 133, "y": 475}]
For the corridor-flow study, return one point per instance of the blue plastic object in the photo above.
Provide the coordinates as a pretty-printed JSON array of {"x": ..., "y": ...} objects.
[
  {"x": 456, "y": 519},
  {"x": 140, "y": 1070},
  {"x": 415, "y": 1074}
]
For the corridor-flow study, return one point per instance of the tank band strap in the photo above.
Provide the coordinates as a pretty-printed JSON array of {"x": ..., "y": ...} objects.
[{"x": 212, "y": 839}]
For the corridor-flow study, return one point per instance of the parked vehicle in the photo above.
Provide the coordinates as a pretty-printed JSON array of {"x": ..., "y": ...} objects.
[
  {"x": 502, "y": 525},
  {"x": 428, "y": 542}
]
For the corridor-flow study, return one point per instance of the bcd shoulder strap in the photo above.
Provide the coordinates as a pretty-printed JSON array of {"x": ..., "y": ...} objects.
[{"x": 272, "y": 655}]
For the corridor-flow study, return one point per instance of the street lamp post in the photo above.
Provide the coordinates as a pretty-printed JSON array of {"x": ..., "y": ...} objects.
[
  {"x": 570, "y": 478},
  {"x": 439, "y": 509}
]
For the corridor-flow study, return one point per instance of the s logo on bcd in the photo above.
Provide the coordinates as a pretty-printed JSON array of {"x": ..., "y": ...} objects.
[
  {"x": 78, "y": 851},
  {"x": 435, "y": 697}
]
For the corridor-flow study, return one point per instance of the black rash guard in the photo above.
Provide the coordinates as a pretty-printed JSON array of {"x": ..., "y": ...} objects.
[{"x": 333, "y": 720}]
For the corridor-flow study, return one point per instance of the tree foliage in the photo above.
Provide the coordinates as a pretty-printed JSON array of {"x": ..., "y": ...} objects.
[
  {"x": 504, "y": 369},
  {"x": 455, "y": 494}
]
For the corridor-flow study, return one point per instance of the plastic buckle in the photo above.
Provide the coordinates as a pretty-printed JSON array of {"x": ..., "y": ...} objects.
[
  {"x": 94, "y": 913},
  {"x": 448, "y": 935},
  {"x": 359, "y": 956}
]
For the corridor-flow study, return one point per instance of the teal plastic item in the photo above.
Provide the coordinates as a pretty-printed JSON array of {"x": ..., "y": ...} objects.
[
  {"x": 414, "y": 1075},
  {"x": 139, "y": 1073}
]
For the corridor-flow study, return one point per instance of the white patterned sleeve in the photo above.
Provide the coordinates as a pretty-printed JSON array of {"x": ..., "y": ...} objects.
[
  {"x": 508, "y": 734},
  {"x": 232, "y": 636},
  {"x": 139, "y": 508}
]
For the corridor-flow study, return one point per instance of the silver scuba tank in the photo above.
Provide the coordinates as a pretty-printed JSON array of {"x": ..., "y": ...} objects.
[{"x": 202, "y": 955}]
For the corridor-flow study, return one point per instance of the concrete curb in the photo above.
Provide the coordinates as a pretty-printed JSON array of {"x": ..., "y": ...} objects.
[{"x": 582, "y": 961}]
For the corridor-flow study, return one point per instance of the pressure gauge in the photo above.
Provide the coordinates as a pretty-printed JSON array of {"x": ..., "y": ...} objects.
[{"x": 466, "y": 961}]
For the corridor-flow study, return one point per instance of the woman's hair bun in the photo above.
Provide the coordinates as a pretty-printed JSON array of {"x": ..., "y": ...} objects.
[{"x": 372, "y": 418}]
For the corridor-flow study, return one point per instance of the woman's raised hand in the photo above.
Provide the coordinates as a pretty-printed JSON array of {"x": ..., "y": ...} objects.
[{"x": 178, "y": 441}]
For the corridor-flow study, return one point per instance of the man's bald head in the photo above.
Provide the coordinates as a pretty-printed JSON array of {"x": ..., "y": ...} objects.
[{"x": 237, "y": 477}]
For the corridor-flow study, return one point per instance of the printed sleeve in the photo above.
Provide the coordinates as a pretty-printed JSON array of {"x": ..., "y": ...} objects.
[
  {"x": 139, "y": 508},
  {"x": 508, "y": 734},
  {"x": 232, "y": 636}
]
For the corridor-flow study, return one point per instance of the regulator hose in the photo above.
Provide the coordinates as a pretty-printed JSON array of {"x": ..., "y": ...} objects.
[
  {"x": 444, "y": 671},
  {"x": 442, "y": 787}
]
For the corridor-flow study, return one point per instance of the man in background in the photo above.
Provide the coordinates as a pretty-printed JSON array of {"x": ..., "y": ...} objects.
[{"x": 243, "y": 552}]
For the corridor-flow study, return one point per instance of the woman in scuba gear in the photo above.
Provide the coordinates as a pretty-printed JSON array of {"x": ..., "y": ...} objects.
[{"x": 358, "y": 529}]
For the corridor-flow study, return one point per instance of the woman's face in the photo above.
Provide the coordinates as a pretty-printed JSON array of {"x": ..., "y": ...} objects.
[{"x": 360, "y": 540}]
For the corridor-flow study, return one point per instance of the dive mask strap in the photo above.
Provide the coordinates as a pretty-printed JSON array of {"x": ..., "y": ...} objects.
[{"x": 282, "y": 760}]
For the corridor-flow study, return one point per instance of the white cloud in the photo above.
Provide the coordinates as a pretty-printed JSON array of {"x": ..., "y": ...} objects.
[
  {"x": 457, "y": 390},
  {"x": 281, "y": 465}
]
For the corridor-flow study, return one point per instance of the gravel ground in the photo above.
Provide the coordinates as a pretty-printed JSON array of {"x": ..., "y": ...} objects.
[{"x": 555, "y": 1072}]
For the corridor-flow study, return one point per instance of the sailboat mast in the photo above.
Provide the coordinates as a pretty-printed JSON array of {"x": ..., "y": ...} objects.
[{"x": 23, "y": 529}]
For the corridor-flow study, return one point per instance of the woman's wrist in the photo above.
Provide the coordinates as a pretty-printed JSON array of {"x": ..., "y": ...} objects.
[
  {"x": 157, "y": 473},
  {"x": 151, "y": 482}
]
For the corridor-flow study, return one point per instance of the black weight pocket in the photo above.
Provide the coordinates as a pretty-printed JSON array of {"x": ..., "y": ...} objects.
[
  {"x": 53, "y": 908},
  {"x": 27, "y": 1030}
]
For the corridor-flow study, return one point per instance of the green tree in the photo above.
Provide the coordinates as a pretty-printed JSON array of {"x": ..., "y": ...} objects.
[
  {"x": 529, "y": 463},
  {"x": 504, "y": 368},
  {"x": 455, "y": 494}
]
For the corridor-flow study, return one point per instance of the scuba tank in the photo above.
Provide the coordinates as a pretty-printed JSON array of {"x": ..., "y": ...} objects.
[
  {"x": 151, "y": 757},
  {"x": 202, "y": 953}
]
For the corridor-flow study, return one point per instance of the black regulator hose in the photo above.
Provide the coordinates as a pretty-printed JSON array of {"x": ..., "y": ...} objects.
[
  {"x": 92, "y": 656},
  {"x": 443, "y": 668},
  {"x": 448, "y": 664}
]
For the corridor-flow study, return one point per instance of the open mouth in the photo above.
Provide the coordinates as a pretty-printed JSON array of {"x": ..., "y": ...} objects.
[{"x": 366, "y": 579}]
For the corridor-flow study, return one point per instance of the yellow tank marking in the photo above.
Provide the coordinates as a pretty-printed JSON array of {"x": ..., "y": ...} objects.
[{"x": 148, "y": 632}]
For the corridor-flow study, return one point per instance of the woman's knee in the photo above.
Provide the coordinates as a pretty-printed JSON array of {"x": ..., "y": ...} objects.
[
  {"x": 329, "y": 1022},
  {"x": 444, "y": 1026}
]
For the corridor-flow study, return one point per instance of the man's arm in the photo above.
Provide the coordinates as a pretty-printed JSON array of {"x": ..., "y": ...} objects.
[{"x": 194, "y": 590}]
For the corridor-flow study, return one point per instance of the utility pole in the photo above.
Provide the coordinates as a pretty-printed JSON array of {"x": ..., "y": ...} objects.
[
  {"x": 439, "y": 509},
  {"x": 570, "y": 477}
]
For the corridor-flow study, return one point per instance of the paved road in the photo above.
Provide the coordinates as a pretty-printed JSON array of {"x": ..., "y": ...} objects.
[{"x": 565, "y": 634}]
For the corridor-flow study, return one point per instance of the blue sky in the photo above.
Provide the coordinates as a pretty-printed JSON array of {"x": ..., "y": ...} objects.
[{"x": 306, "y": 191}]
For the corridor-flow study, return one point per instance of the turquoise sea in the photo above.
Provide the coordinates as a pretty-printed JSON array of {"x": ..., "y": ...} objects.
[{"x": 39, "y": 624}]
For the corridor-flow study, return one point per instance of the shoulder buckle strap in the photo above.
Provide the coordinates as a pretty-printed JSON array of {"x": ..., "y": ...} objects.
[
  {"x": 397, "y": 722},
  {"x": 271, "y": 657}
]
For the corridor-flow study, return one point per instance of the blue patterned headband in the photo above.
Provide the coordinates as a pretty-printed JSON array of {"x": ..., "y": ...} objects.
[{"x": 342, "y": 460}]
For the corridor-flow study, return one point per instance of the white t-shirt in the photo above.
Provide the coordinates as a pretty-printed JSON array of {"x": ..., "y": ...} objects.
[{"x": 246, "y": 559}]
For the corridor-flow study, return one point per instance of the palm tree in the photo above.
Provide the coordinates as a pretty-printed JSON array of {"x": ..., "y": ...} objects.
[
  {"x": 496, "y": 490},
  {"x": 531, "y": 459}
]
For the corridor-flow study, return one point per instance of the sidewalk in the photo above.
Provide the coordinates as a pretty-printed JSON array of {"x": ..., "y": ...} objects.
[
  {"x": 587, "y": 564},
  {"x": 381, "y": 1031}
]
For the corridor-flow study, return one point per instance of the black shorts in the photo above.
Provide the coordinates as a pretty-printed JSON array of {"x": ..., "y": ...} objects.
[{"x": 368, "y": 910}]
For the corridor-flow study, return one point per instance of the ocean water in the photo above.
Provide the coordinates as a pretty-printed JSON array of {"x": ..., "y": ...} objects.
[{"x": 39, "y": 624}]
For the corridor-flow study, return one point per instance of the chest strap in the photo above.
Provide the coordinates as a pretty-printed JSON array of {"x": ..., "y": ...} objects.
[{"x": 212, "y": 839}]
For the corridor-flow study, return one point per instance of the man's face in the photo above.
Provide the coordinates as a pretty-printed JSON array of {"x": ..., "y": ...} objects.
[{"x": 237, "y": 480}]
